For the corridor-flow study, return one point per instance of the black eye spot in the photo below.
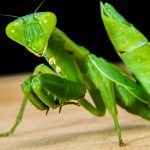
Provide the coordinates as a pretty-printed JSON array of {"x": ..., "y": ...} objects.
[
  {"x": 71, "y": 53},
  {"x": 122, "y": 52}
]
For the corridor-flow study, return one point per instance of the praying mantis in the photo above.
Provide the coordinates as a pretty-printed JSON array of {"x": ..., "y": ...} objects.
[{"x": 73, "y": 70}]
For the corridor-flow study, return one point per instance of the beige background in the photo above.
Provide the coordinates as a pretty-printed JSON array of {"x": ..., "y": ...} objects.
[{"x": 73, "y": 129}]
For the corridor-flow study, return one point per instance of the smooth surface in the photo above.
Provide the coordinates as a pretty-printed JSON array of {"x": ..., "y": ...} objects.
[{"x": 73, "y": 129}]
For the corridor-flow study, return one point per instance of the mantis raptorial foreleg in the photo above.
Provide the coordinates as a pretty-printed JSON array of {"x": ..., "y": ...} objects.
[
  {"x": 98, "y": 111},
  {"x": 49, "y": 102}
]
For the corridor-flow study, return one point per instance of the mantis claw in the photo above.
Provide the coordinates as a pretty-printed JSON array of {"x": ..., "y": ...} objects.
[{"x": 47, "y": 111}]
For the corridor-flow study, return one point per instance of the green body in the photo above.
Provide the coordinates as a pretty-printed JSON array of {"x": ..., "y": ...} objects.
[
  {"x": 74, "y": 70},
  {"x": 130, "y": 44}
]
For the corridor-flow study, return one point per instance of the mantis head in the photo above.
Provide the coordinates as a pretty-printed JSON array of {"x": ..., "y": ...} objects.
[{"x": 32, "y": 31}]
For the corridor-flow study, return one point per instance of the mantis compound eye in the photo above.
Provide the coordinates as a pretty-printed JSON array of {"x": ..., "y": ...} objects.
[{"x": 14, "y": 31}]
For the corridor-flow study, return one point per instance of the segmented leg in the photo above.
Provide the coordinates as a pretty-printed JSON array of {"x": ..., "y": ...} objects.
[
  {"x": 105, "y": 88},
  {"x": 47, "y": 90},
  {"x": 29, "y": 95},
  {"x": 18, "y": 119}
]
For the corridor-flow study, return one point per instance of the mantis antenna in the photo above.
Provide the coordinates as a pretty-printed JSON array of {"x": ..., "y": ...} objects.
[
  {"x": 38, "y": 8},
  {"x": 10, "y": 16},
  {"x": 13, "y": 16}
]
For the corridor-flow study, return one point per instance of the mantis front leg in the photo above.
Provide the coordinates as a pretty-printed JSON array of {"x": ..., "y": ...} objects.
[{"x": 54, "y": 94}]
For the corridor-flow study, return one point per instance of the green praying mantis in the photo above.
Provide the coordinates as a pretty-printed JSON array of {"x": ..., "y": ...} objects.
[{"x": 74, "y": 70}]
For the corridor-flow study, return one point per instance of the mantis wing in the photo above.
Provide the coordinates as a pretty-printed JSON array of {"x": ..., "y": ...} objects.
[
  {"x": 129, "y": 94},
  {"x": 107, "y": 70},
  {"x": 130, "y": 44}
]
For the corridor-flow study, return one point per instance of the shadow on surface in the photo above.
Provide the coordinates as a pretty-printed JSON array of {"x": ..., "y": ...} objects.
[{"x": 99, "y": 136}]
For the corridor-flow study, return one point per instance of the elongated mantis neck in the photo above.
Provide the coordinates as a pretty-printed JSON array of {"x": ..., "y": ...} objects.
[
  {"x": 61, "y": 61},
  {"x": 78, "y": 52}
]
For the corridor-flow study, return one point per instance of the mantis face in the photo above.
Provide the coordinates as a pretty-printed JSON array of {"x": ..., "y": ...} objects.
[{"x": 32, "y": 31}]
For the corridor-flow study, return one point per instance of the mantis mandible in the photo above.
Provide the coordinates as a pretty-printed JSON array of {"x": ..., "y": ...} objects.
[{"x": 74, "y": 70}]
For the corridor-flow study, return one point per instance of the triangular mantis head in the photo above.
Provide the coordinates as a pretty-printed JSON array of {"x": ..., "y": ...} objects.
[{"x": 32, "y": 31}]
